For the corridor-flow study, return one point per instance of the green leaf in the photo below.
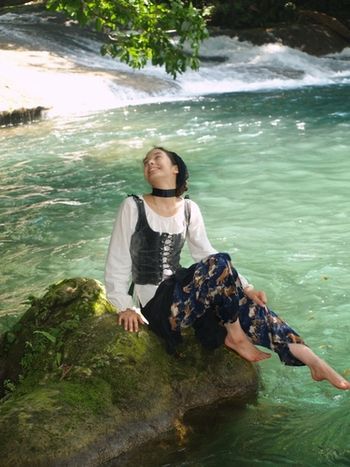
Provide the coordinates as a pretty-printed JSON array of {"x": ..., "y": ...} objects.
[
  {"x": 48, "y": 336},
  {"x": 58, "y": 359},
  {"x": 143, "y": 30}
]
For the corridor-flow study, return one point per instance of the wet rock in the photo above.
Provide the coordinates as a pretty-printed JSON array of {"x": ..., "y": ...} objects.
[
  {"x": 79, "y": 390},
  {"x": 21, "y": 116},
  {"x": 314, "y": 33}
]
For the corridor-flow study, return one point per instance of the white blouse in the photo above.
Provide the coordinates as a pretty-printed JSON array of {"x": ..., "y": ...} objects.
[{"x": 118, "y": 265}]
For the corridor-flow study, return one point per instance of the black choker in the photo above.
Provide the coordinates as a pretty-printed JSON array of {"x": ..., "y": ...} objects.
[{"x": 164, "y": 193}]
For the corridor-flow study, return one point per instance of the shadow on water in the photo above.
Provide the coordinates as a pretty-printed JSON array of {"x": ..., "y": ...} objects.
[
  {"x": 261, "y": 433},
  {"x": 190, "y": 434}
]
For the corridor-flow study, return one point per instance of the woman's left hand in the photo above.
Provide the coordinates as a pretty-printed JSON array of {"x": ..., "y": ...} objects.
[{"x": 258, "y": 296}]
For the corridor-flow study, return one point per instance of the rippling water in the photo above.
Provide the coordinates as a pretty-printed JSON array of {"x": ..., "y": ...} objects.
[{"x": 271, "y": 172}]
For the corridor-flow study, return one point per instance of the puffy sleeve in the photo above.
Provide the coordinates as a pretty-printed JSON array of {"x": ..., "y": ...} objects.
[
  {"x": 197, "y": 239},
  {"x": 118, "y": 263}
]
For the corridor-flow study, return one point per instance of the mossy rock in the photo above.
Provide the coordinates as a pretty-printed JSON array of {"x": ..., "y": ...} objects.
[{"x": 79, "y": 390}]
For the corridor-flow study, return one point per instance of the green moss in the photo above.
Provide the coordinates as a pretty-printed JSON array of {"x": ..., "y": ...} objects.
[
  {"x": 40, "y": 336},
  {"x": 73, "y": 376},
  {"x": 60, "y": 417},
  {"x": 92, "y": 396},
  {"x": 7, "y": 322}
]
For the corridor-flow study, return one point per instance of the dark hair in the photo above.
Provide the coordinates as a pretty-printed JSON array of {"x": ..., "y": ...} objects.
[{"x": 183, "y": 175}]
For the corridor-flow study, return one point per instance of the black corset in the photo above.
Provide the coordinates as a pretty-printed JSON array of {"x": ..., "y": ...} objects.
[{"x": 153, "y": 253}]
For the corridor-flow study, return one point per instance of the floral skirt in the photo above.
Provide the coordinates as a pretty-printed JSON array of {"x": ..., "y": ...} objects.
[{"x": 215, "y": 288}]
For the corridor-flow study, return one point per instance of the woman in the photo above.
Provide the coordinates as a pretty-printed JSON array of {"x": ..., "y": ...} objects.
[{"x": 211, "y": 295}]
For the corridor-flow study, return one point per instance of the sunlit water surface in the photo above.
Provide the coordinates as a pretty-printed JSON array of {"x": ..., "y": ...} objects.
[{"x": 271, "y": 172}]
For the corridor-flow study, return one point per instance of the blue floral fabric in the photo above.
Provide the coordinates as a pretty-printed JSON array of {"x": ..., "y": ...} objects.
[{"x": 215, "y": 286}]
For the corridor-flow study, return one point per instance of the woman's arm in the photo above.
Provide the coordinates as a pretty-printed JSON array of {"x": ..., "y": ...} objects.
[
  {"x": 197, "y": 239},
  {"x": 118, "y": 264},
  {"x": 118, "y": 267}
]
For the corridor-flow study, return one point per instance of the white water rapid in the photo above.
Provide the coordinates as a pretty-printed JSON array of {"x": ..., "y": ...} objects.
[{"x": 47, "y": 61}]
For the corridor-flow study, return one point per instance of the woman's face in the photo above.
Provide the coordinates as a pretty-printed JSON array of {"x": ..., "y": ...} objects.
[{"x": 159, "y": 170}]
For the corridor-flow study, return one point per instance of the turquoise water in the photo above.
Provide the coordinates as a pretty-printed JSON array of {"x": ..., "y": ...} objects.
[{"x": 271, "y": 172}]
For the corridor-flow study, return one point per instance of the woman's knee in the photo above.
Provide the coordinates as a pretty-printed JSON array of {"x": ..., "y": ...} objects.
[
  {"x": 223, "y": 262},
  {"x": 220, "y": 258}
]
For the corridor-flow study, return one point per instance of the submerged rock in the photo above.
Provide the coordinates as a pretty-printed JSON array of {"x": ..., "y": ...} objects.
[{"x": 79, "y": 390}]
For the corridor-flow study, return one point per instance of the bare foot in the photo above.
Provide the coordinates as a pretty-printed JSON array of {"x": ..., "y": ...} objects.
[
  {"x": 320, "y": 370},
  {"x": 238, "y": 341}
]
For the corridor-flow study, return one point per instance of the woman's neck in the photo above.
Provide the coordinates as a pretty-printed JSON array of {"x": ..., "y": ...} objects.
[{"x": 164, "y": 206}]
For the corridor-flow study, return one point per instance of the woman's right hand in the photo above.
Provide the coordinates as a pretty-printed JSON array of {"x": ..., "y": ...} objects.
[{"x": 130, "y": 319}]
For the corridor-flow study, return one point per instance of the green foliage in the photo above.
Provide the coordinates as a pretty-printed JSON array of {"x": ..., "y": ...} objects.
[
  {"x": 48, "y": 336},
  {"x": 9, "y": 386},
  {"x": 7, "y": 322},
  {"x": 164, "y": 33},
  {"x": 45, "y": 349}
]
